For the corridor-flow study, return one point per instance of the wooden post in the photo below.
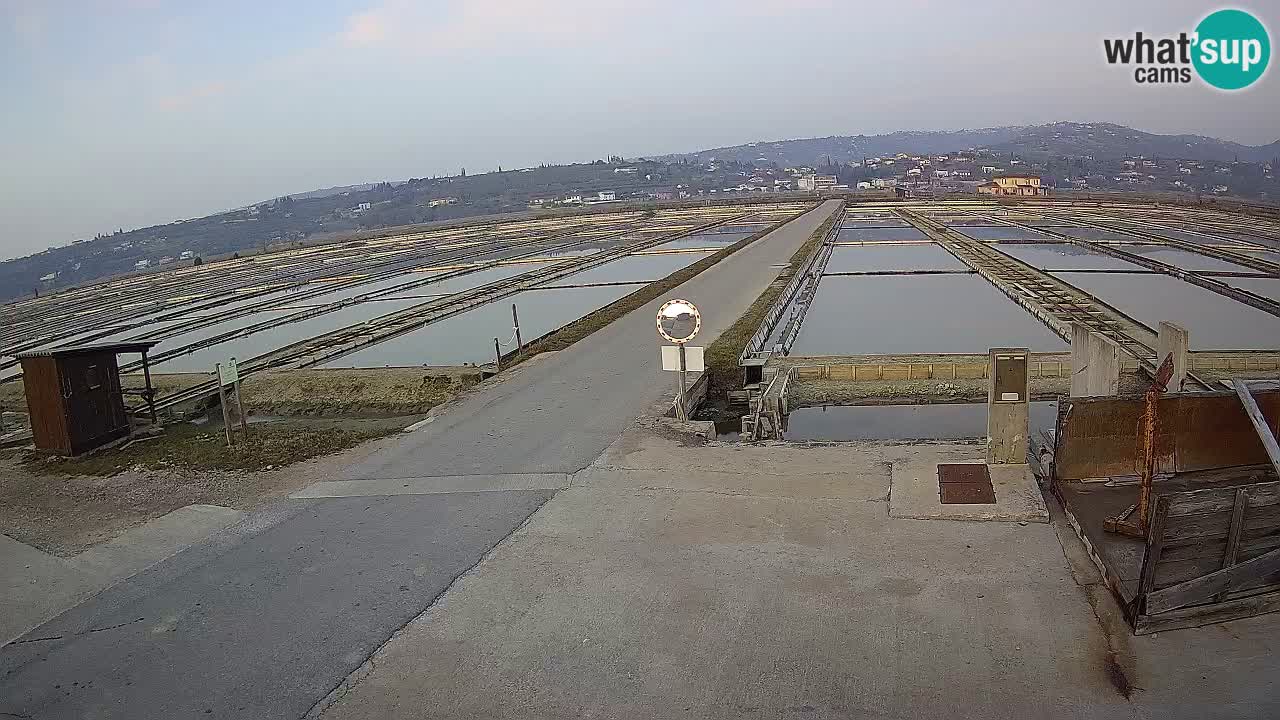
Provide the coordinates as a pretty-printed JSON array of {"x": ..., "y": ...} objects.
[
  {"x": 1155, "y": 546},
  {"x": 515, "y": 320},
  {"x": 244, "y": 422},
  {"x": 222, "y": 400},
  {"x": 1259, "y": 422},
  {"x": 151, "y": 394},
  {"x": 1233, "y": 535}
]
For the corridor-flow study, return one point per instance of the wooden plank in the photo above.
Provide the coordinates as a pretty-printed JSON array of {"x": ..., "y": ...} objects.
[
  {"x": 1216, "y": 525},
  {"x": 1211, "y": 500},
  {"x": 1211, "y": 549},
  {"x": 1259, "y": 422},
  {"x": 1173, "y": 571},
  {"x": 1155, "y": 542},
  {"x": 1233, "y": 534},
  {"x": 1195, "y": 528},
  {"x": 1170, "y": 573},
  {"x": 1215, "y": 547},
  {"x": 1207, "y": 614},
  {"x": 1202, "y": 588}
]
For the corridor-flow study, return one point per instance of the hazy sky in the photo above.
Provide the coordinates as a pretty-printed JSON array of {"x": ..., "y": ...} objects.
[{"x": 123, "y": 113}]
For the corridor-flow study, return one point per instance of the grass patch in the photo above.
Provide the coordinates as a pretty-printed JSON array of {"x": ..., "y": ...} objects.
[
  {"x": 722, "y": 355},
  {"x": 188, "y": 447},
  {"x": 584, "y": 326},
  {"x": 364, "y": 392}
]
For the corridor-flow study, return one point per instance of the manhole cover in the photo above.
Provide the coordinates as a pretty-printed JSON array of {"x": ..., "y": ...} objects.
[{"x": 965, "y": 484}]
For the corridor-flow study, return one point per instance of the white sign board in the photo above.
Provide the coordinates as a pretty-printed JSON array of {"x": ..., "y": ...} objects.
[
  {"x": 671, "y": 358},
  {"x": 693, "y": 358},
  {"x": 693, "y": 361},
  {"x": 228, "y": 373}
]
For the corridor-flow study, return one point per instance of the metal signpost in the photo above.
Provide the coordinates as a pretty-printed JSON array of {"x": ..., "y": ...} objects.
[{"x": 678, "y": 321}]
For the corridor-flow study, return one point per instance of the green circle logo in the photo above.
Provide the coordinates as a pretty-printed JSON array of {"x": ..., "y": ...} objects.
[{"x": 1232, "y": 49}]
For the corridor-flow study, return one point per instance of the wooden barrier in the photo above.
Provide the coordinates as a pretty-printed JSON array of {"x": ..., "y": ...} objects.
[
  {"x": 1212, "y": 555},
  {"x": 1211, "y": 551}
]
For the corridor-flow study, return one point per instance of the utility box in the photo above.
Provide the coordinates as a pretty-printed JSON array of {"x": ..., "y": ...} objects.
[
  {"x": 1008, "y": 420},
  {"x": 75, "y": 398},
  {"x": 1009, "y": 375}
]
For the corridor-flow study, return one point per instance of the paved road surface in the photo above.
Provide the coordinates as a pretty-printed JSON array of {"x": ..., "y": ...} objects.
[{"x": 264, "y": 620}]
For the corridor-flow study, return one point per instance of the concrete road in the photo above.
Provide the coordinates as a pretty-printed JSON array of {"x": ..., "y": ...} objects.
[
  {"x": 729, "y": 581},
  {"x": 265, "y": 619}
]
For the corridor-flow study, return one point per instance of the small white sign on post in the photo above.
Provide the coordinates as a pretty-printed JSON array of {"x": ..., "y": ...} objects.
[
  {"x": 229, "y": 377},
  {"x": 693, "y": 358},
  {"x": 228, "y": 373},
  {"x": 671, "y": 358},
  {"x": 694, "y": 361}
]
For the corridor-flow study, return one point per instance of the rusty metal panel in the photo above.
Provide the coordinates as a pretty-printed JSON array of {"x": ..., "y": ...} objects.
[
  {"x": 966, "y": 494},
  {"x": 965, "y": 484},
  {"x": 964, "y": 473},
  {"x": 44, "y": 404},
  {"x": 1101, "y": 437}
]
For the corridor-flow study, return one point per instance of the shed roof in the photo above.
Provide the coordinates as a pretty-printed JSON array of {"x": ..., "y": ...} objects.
[{"x": 67, "y": 350}]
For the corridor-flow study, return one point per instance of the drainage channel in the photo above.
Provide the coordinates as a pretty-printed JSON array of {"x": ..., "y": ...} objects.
[{"x": 938, "y": 421}]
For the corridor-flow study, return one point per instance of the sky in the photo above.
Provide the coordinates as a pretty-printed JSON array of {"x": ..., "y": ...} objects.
[{"x": 127, "y": 113}]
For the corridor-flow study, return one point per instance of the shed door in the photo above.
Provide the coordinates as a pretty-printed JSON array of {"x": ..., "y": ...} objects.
[{"x": 89, "y": 408}]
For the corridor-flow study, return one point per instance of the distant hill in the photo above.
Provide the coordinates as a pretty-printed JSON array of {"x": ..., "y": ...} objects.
[
  {"x": 1057, "y": 151},
  {"x": 1100, "y": 140},
  {"x": 327, "y": 192},
  {"x": 812, "y": 152},
  {"x": 321, "y": 215},
  {"x": 1105, "y": 140}
]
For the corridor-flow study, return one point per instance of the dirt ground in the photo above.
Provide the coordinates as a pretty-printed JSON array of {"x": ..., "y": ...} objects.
[
  {"x": 65, "y": 506},
  {"x": 303, "y": 423}
]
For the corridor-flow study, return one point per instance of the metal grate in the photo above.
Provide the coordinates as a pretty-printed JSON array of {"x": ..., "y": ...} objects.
[{"x": 965, "y": 484}]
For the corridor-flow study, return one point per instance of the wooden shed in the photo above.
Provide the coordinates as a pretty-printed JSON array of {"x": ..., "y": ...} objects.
[{"x": 75, "y": 398}]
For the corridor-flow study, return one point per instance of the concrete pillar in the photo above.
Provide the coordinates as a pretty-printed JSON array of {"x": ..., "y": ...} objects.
[
  {"x": 1080, "y": 360},
  {"x": 1174, "y": 340},
  {"x": 1009, "y": 391},
  {"x": 1095, "y": 363},
  {"x": 1104, "y": 366}
]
